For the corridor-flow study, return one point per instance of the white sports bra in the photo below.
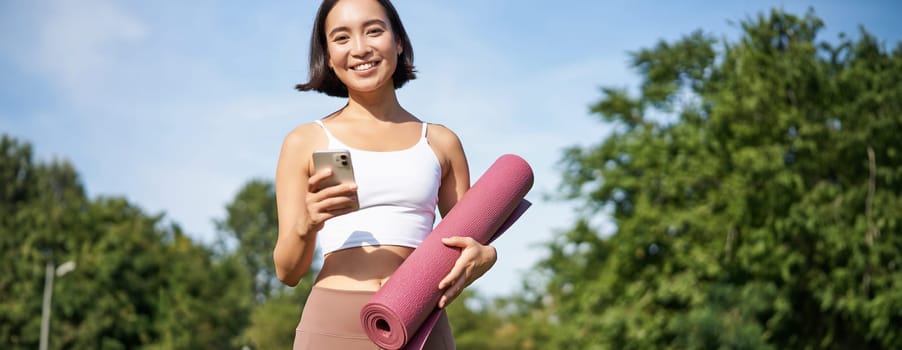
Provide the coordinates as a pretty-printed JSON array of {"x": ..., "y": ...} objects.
[{"x": 398, "y": 192}]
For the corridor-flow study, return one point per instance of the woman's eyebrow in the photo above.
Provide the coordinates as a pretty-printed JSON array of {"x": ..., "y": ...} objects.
[{"x": 367, "y": 23}]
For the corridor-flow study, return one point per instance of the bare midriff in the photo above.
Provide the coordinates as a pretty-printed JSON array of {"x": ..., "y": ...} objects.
[{"x": 361, "y": 268}]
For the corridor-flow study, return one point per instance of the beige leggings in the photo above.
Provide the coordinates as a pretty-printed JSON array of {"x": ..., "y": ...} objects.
[{"x": 331, "y": 320}]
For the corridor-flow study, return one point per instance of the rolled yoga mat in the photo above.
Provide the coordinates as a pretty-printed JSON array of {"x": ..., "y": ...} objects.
[{"x": 404, "y": 310}]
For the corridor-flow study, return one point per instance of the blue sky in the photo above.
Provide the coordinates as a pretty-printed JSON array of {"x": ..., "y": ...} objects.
[{"x": 176, "y": 105}]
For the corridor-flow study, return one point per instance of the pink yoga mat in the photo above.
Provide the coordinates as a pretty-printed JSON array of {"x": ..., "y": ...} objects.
[{"x": 407, "y": 303}]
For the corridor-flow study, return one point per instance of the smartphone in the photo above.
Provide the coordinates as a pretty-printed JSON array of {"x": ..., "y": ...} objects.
[{"x": 340, "y": 163}]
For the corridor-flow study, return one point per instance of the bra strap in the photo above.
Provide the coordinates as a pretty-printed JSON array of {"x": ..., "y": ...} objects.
[
  {"x": 326, "y": 130},
  {"x": 424, "y": 129}
]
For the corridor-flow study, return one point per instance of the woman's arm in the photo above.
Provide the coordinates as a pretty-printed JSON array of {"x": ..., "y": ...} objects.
[
  {"x": 475, "y": 259},
  {"x": 302, "y": 211}
]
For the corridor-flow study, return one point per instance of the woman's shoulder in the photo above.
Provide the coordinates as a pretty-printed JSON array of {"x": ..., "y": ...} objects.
[
  {"x": 305, "y": 137},
  {"x": 305, "y": 131},
  {"x": 444, "y": 142},
  {"x": 441, "y": 135}
]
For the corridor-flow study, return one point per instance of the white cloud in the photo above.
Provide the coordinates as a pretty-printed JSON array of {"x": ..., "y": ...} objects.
[
  {"x": 79, "y": 40},
  {"x": 144, "y": 116}
]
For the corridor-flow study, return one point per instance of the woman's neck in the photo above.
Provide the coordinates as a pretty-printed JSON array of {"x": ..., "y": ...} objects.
[{"x": 382, "y": 105}]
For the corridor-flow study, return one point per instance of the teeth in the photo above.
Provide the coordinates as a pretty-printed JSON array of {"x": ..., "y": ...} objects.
[{"x": 364, "y": 66}]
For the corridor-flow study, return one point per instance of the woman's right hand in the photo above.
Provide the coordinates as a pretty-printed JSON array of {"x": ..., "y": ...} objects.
[{"x": 328, "y": 202}]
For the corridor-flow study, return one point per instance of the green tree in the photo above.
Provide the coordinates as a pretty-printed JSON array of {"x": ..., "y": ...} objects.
[
  {"x": 755, "y": 187},
  {"x": 478, "y": 323},
  {"x": 252, "y": 222},
  {"x": 39, "y": 205},
  {"x": 139, "y": 282}
]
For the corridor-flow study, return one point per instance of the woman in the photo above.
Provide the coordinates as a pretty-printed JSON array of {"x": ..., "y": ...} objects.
[{"x": 404, "y": 168}]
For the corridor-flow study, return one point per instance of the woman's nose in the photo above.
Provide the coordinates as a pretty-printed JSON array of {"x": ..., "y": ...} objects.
[{"x": 360, "y": 47}]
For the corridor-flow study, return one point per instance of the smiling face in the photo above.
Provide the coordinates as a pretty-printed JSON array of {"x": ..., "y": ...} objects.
[{"x": 362, "y": 50}]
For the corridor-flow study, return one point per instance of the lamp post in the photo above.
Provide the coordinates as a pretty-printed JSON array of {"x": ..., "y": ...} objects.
[{"x": 48, "y": 293}]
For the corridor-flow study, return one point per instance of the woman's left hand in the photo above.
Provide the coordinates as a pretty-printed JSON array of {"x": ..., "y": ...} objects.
[{"x": 475, "y": 259}]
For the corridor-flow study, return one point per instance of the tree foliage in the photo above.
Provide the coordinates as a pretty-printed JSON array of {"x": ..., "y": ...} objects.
[
  {"x": 755, "y": 186},
  {"x": 139, "y": 282},
  {"x": 252, "y": 221}
]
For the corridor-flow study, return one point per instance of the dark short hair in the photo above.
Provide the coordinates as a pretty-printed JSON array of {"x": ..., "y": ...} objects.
[{"x": 323, "y": 79}]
